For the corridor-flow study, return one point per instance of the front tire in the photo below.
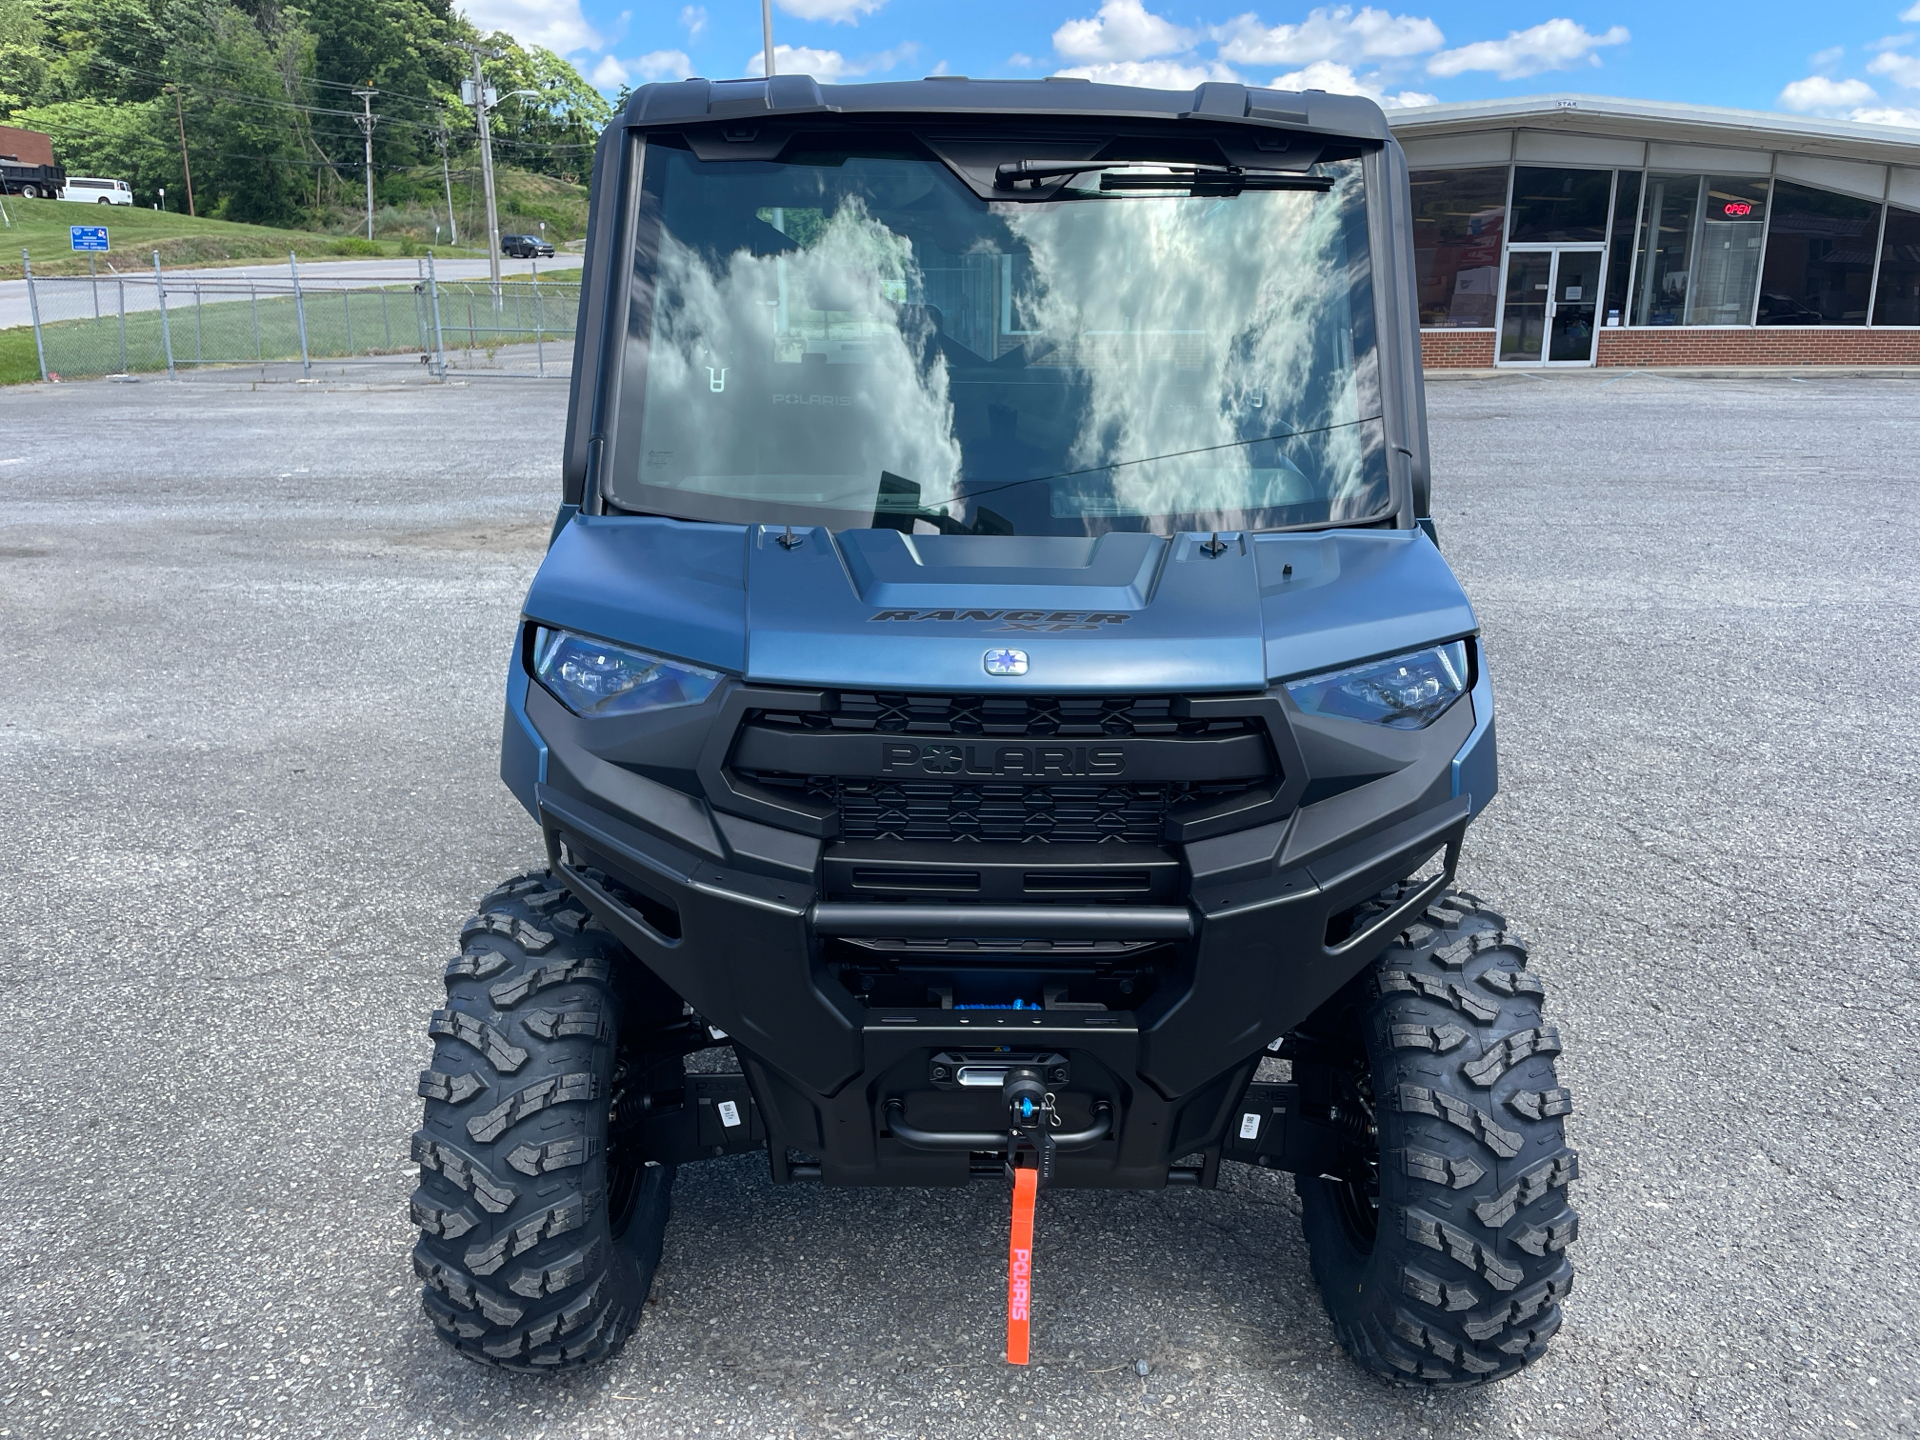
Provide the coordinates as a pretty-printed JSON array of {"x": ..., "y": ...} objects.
[
  {"x": 1440, "y": 1251},
  {"x": 540, "y": 1230}
]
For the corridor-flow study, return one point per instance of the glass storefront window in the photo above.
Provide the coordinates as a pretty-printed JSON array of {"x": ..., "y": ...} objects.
[
  {"x": 1560, "y": 205},
  {"x": 1733, "y": 226},
  {"x": 1660, "y": 291},
  {"x": 1459, "y": 225},
  {"x": 1699, "y": 250},
  {"x": 1819, "y": 258},
  {"x": 1626, "y": 211},
  {"x": 1897, "y": 302}
]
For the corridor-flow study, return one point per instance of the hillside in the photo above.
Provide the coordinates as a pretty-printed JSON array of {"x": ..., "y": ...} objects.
[{"x": 41, "y": 227}]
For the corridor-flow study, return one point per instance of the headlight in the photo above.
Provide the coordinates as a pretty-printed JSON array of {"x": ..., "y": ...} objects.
[
  {"x": 1408, "y": 692},
  {"x": 591, "y": 677}
]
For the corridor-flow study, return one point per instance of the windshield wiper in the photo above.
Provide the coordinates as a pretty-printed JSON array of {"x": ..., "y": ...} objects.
[{"x": 1190, "y": 179}]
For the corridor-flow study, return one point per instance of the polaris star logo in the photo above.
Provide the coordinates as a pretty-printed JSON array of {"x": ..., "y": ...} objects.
[
  {"x": 1035, "y": 762},
  {"x": 1048, "y": 621},
  {"x": 1005, "y": 662}
]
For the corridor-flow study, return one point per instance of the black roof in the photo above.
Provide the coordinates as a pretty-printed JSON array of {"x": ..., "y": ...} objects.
[{"x": 953, "y": 97}]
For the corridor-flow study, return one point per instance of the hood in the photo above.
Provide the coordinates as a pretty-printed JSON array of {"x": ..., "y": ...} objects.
[{"x": 877, "y": 609}]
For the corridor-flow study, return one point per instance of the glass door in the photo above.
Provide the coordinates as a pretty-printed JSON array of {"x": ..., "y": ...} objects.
[
  {"x": 1575, "y": 307},
  {"x": 1550, "y": 305},
  {"x": 1523, "y": 313}
]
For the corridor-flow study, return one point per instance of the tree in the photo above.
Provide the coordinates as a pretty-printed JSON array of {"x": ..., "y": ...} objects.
[
  {"x": 24, "y": 72},
  {"x": 400, "y": 48},
  {"x": 122, "y": 139},
  {"x": 553, "y": 130},
  {"x": 264, "y": 91},
  {"x": 242, "y": 134}
]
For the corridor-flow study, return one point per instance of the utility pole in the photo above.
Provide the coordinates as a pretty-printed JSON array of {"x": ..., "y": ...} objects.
[
  {"x": 366, "y": 131},
  {"x": 766, "y": 33},
  {"x": 180, "y": 115},
  {"x": 482, "y": 98},
  {"x": 440, "y": 139}
]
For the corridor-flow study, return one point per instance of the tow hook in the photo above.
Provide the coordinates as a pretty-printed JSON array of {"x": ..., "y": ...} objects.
[{"x": 1032, "y": 1117}]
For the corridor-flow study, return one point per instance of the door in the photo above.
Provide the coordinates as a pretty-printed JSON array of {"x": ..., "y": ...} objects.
[
  {"x": 1523, "y": 313},
  {"x": 1550, "y": 305},
  {"x": 1575, "y": 307}
]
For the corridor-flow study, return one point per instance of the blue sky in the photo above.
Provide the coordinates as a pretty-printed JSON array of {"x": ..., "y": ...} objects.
[{"x": 1857, "y": 60}]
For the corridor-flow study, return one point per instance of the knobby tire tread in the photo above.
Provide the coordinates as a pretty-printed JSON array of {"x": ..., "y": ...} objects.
[
  {"x": 519, "y": 1257},
  {"x": 1468, "y": 1263}
]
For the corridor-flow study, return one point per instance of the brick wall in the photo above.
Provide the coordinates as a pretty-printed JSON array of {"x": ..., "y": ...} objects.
[
  {"x": 1783, "y": 345},
  {"x": 1456, "y": 349},
  {"x": 1685, "y": 345}
]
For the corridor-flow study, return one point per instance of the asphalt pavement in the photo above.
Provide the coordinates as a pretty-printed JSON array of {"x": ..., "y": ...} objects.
[{"x": 255, "y": 639}]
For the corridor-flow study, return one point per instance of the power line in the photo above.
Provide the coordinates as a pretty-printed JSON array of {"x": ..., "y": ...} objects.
[
  {"x": 270, "y": 102},
  {"x": 201, "y": 87}
]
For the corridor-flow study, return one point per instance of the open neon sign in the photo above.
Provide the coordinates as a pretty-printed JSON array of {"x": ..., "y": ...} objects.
[{"x": 1738, "y": 207}]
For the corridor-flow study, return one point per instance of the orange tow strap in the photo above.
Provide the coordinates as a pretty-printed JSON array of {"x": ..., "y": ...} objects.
[{"x": 1026, "y": 1182}]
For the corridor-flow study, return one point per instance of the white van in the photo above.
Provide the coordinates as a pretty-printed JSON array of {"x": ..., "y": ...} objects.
[{"x": 103, "y": 192}]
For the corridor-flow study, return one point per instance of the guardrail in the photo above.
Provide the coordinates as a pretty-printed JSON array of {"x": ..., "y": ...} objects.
[{"x": 122, "y": 324}]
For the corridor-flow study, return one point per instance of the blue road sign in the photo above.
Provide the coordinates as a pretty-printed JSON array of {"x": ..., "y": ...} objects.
[{"x": 89, "y": 237}]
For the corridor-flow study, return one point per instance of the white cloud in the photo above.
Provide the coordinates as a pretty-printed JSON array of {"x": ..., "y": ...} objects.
[
  {"x": 693, "y": 19},
  {"x": 1338, "y": 79},
  {"x": 1554, "y": 45},
  {"x": 1886, "y": 115},
  {"x": 1903, "y": 70},
  {"x": 1826, "y": 59},
  {"x": 1336, "y": 34},
  {"x": 1021, "y": 62},
  {"x": 1153, "y": 74},
  {"x": 1891, "y": 42},
  {"x": 833, "y": 12},
  {"x": 1912, "y": 12},
  {"x": 663, "y": 65},
  {"x": 1818, "y": 95},
  {"x": 556, "y": 24},
  {"x": 826, "y": 65},
  {"x": 655, "y": 65},
  {"x": 1123, "y": 30}
]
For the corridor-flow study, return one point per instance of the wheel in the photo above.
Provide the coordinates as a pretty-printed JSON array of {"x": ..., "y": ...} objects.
[
  {"x": 540, "y": 1222},
  {"x": 1440, "y": 1249},
  {"x": 103, "y": 200},
  {"x": 29, "y": 192}
]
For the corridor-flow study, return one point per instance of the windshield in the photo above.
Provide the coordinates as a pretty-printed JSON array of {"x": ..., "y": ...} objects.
[{"x": 852, "y": 337}]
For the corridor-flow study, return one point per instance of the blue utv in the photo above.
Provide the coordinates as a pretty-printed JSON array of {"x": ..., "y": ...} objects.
[{"x": 993, "y": 678}]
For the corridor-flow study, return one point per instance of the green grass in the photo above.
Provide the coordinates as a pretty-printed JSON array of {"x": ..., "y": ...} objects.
[
  {"x": 18, "y": 364},
  {"x": 392, "y": 320},
  {"x": 41, "y": 227},
  {"x": 525, "y": 200}
]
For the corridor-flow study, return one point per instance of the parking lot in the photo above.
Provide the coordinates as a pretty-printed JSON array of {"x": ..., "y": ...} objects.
[{"x": 255, "y": 641}]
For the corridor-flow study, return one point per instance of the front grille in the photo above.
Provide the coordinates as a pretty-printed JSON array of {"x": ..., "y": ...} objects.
[
  {"x": 1090, "y": 715},
  {"x": 937, "y": 810}
]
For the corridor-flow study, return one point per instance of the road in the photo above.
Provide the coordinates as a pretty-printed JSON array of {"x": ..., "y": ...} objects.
[
  {"x": 255, "y": 645},
  {"x": 16, "y": 309}
]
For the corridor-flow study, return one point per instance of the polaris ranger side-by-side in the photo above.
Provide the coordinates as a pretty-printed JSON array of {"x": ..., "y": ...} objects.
[{"x": 993, "y": 672}]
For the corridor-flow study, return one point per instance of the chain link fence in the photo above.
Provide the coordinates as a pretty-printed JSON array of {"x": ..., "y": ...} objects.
[{"x": 90, "y": 326}]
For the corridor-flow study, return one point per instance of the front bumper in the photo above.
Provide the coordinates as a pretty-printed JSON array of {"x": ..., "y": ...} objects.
[{"x": 738, "y": 918}]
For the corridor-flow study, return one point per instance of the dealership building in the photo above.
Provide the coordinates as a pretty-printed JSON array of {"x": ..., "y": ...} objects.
[{"x": 1573, "y": 230}]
